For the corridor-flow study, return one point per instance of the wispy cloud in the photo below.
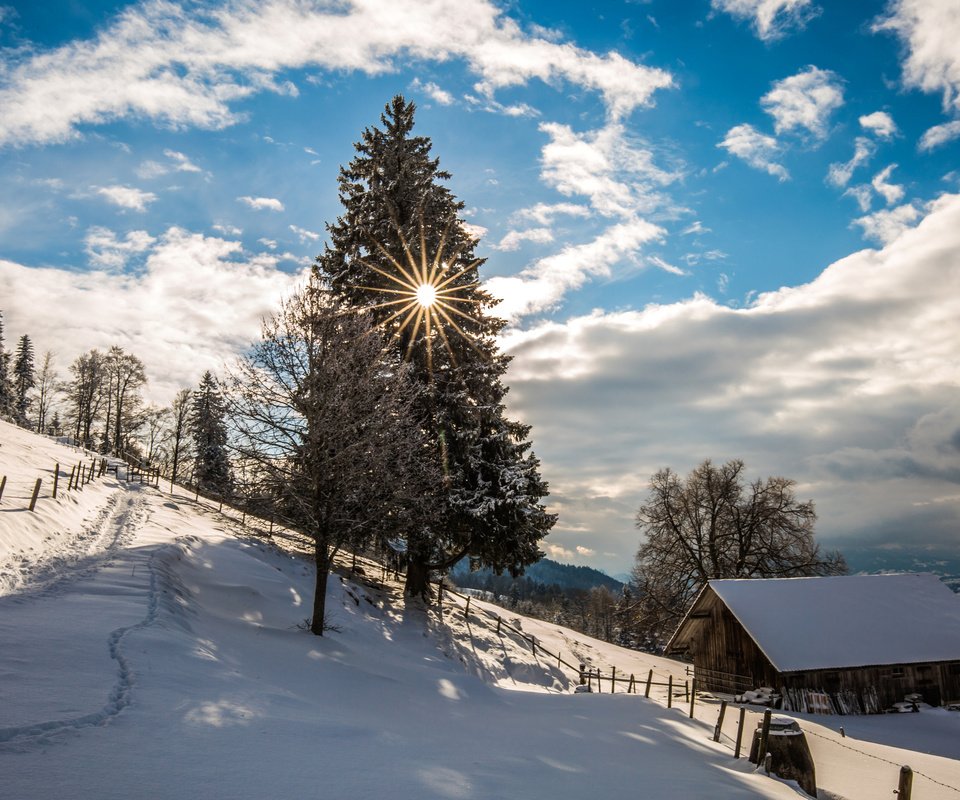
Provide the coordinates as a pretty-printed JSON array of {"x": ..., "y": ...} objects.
[
  {"x": 176, "y": 162},
  {"x": 546, "y": 213},
  {"x": 880, "y": 124},
  {"x": 543, "y": 285},
  {"x": 186, "y": 66},
  {"x": 939, "y": 135},
  {"x": 770, "y": 19},
  {"x": 890, "y": 192},
  {"x": 513, "y": 239},
  {"x": 756, "y": 149},
  {"x": 839, "y": 174},
  {"x": 305, "y": 235},
  {"x": 126, "y": 196},
  {"x": 433, "y": 91},
  {"x": 804, "y": 102},
  {"x": 262, "y": 203}
]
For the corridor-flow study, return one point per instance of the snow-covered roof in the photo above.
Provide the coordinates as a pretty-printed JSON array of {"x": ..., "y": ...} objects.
[{"x": 847, "y": 621}]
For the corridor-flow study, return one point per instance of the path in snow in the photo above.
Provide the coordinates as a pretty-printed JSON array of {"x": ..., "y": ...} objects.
[{"x": 101, "y": 569}]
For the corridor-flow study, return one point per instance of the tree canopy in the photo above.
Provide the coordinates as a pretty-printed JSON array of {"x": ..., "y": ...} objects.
[
  {"x": 714, "y": 524},
  {"x": 401, "y": 255}
]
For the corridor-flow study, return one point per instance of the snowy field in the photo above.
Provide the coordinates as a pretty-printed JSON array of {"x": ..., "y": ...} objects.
[{"x": 151, "y": 648}]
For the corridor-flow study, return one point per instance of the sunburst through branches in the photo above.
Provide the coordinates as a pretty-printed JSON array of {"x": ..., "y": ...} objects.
[{"x": 425, "y": 294}]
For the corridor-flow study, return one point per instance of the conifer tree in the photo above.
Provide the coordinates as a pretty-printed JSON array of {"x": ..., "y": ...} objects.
[
  {"x": 6, "y": 386},
  {"x": 208, "y": 429},
  {"x": 24, "y": 379},
  {"x": 400, "y": 232}
]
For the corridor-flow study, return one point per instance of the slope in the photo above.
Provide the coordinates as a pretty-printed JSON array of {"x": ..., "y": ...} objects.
[{"x": 168, "y": 662}]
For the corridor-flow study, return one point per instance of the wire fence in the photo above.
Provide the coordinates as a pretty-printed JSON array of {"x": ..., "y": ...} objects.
[{"x": 697, "y": 704}]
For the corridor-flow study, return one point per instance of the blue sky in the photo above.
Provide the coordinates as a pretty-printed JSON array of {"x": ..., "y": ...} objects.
[{"x": 723, "y": 228}]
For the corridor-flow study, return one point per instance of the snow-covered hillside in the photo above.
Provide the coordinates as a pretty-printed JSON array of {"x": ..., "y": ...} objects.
[{"x": 152, "y": 648}]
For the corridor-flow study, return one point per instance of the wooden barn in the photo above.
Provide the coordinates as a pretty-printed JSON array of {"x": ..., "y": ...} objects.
[{"x": 849, "y": 644}]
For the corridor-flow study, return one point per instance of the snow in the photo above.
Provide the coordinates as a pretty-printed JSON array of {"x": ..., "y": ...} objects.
[
  {"x": 847, "y": 621},
  {"x": 162, "y": 658}
]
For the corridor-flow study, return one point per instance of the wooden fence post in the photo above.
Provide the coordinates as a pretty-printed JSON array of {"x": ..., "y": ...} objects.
[
  {"x": 743, "y": 714},
  {"x": 583, "y": 678},
  {"x": 686, "y": 690},
  {"x": 36, "y": 491},
  {"x": 905, "y": 786},
  {"x": 719, "y": 727},
  {"x": 499, "y": 620},
  {"x": 3, "y": 482},
  {"x": 466, "y": 610},
  {"x": 70, "y": 482},
  {"x": 670, "y": 690},
  {"x": 632, "y": 686},
  {"x": 599, "y": 687},
  {"x": 613, "y": 680},
  {"x": 764, "y": 735},
  {"x": 693, "y": 695},
  {"x": 56, "y": 480},
  {"x": 646, "y": 692}
]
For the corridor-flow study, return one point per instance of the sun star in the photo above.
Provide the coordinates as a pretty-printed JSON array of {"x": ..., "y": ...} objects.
[{"x": 424, "y": 294}]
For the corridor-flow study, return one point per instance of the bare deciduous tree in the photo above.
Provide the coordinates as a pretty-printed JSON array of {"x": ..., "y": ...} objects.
[
  {"x": 712, "y": 524},
  {"x": 326, "y": 427}
]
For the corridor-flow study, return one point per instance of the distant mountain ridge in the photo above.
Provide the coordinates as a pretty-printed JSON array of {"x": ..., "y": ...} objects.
[{"x": 545, "y": 571}]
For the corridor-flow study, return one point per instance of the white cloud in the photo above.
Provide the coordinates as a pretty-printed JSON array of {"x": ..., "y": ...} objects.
[
  {"x": 659, "y": 263},
  {"x": 177, "y": 162},
  {"x": 940, "y": 134},
  {"x": 196, "y": 302},
  {"x": 929, "y": 31},
  {"x": 181, "y": 162},
  {"x": 228, "y": 230},
  {"x": 513, "y": 239},
  {"x": 546, "y": 213},
  {"x": 186, "y": 66},
  {"x": 848, "y": 384},
  {"x": 105, "y": 251},
  {"x": 757, "y": 149},
  {"x": 433, "y": 91},
  {"x": 770, "y": 19},
  {"x": 887, "y": 225},
  {"x": 839, "y": 174},
  {"x": 880, "y": 124},
  {"x": 585, "y": 551},
  {"x": 269, "y": 243},
  {"x": 126, "y": 196},
  {"x": 261, "y": 203},
  {"x": 616, "y": 174},
  {"x": 695, "y": 228},
  {"x": 474, "y": 230},
  {"x": 543, "y": 285},
  {"x": 804, "y": 101},
  {"x": 304, "y": 234},
  {"x": 862, "y": 194},
  {"x": 890, "y": 192}
]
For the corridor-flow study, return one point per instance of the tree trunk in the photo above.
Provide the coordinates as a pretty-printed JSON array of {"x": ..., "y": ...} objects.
[
  {"x": 418, "y": 577},
  {"x": 322, "y": 559}
]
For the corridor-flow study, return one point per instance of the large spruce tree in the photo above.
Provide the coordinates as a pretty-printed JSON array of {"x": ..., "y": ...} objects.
[{"x": 400, "y": 230}]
